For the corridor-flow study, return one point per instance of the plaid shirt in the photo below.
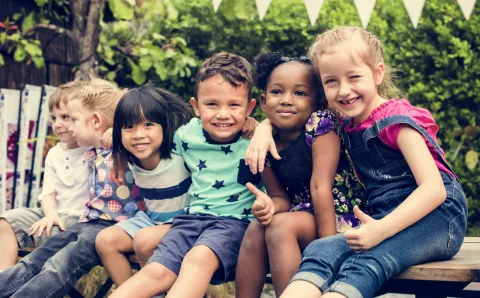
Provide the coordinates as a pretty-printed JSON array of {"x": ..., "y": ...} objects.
[{"x": 107, "y": 200}]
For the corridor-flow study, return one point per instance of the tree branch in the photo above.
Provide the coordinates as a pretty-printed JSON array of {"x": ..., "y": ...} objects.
[{"x": 54, "y": 28}]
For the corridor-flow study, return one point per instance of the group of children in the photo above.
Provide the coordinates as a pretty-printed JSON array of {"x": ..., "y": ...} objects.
[{"x": 350, "y": 178}]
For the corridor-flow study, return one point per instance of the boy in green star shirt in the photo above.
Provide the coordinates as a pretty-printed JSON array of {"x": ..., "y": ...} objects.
[{"x": 202, "y": 246}]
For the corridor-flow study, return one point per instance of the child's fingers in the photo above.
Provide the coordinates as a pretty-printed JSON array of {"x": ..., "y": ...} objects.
[
  {"x": 274, "y": 152},
  {"x": 260, "y": 211},
  {"x": 60, "y": 225},
  {"x": 265, "y": 222},
  {"x": 351, "y": 234},
  {"x": 48, "y": 228},
  {"x": 252, "y": 161},
  {"x": 254, "y": 190},
  {"x": 261, "y": 160}
]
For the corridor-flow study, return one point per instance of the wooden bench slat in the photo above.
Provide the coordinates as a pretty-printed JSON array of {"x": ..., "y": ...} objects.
[{"x": 464, "y": 267}]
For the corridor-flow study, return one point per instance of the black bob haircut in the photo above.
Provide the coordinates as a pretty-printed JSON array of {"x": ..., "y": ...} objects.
[{"x": 148, "y": 103}]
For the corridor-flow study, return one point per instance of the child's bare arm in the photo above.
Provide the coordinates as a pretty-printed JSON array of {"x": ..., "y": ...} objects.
[
  {"x": 106, "y": 141},
  {"x": 262, "y": 142},
  {"x": 325, "y": 157},
  {"x": 249, "y": 128},
  {"x": 429, "y": 194}
]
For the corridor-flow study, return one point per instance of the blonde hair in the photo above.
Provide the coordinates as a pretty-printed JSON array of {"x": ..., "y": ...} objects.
[
  {"x": 100, "y": 96},
  {"x": 64, "y": 92},
  {"x": 371, "y": 53}
]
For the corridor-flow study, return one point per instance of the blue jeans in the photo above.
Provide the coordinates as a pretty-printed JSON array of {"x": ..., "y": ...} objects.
[
  {"x": 332, "y": 266},
  {"x": 52, "y": 269}
]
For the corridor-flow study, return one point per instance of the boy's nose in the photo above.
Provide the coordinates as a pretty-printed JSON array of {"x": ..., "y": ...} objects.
[{"x": 223, "y": 114}]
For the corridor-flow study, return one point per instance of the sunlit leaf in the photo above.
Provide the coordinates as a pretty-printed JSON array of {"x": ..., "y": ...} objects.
[{"x": 471, "y": 159}]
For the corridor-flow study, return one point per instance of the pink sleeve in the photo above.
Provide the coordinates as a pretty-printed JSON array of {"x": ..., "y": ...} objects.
[{"x": 389, "y": 135}]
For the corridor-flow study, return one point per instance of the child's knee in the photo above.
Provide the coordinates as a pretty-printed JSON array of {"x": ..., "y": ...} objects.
[
  {"x": 201, "y": 256},
  {"x": 254, "y": 236},
  {"x": 5, "y": 225},
  {"x": 105, "y": 241},
  {"x": 144, "y": 244},
  {"x": 277, "y": 232}
]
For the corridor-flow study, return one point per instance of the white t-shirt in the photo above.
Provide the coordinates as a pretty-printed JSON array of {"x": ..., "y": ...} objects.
[
  {"x": 67, "y": 174},
  {"x": 165, "y": 189}
]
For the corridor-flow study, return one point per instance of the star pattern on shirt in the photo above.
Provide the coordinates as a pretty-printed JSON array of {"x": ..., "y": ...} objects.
[
  {"x": 206, "y": 207},
  {"x": 226, "y": 149},
  {"x": 185, "y": 146},
  {"x": 201, "y": 165},
  {"x": 233, "y": 198},
  {"x": 174, "y": 146},
  {"x": 218, "y": 184},
  {"x": 247, "y": 211}
]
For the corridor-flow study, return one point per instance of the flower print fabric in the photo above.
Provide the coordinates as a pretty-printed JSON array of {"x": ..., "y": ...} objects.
[{"x": 347, "y": 190}]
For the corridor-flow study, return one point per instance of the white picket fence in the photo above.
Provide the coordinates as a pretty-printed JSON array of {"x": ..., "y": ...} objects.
[{"x": 24, "y": 125}]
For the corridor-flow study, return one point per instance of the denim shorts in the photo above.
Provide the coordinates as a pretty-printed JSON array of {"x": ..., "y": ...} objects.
[
  {"x": 21, "y": 219},
  {"x": 332, "y": 266},
  {"x": 134, "y": 224},
  {"x": 223, "y": 235}
]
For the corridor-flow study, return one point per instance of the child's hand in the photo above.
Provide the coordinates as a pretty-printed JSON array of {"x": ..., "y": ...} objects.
[
  {"x": 46, "y": 224},
  {"x": 249, "y": 129},
  {"x": 117, "y": 173},
  {"x": 106, "y": 141},
  {"x": 263, "y": 207},
  {"x": 262, "y": 142},
  {"x": 368, "y": 235}
]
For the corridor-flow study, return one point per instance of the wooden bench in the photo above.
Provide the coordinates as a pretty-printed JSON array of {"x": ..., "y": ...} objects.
[
  {"x": 438, "y": 279},
  {"x": 441, "y": 279}
]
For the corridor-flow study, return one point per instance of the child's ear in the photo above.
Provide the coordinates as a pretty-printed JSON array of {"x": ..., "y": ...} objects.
[
  {"x": 379, "y": 73},
  {"x": 194, "y": 104},
  {"x": 263, "y": 101},
  {"x": 98, "y": 120},
  {"x": 250, "y": 107}
]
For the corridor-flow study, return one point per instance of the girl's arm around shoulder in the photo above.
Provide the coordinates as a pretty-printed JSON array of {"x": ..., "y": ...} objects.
[
  {"x": 430, "y": 192},
  {"x": 262, "y": 142},
  {"x": 325, "y": 157}
]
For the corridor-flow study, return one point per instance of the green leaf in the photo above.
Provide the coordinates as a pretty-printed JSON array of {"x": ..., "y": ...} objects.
[
  {"x": 111, "y": 76},
  {"x": 20, "y": 54},
  {"x": 2, "y": 62},
  {"x": 471, "y": 159},
  {"x": 138, "y": 76},
  {"x": 41, "y": 3},
  {"x": 121, "y": 9},
  {"x": 39, "y": 61},
  {"x": 17, "y": 16},
  {"x": 28, "y": 23},
  {"x": 33, "y": 49},
  {"x": 240, "y": 8},
  {"x": 146, "y": 62}
]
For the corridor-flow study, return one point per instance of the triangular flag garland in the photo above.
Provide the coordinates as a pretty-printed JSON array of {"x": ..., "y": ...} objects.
[
  {"x": 262, "y": 7},
  {"x": 414, "y": 10},
  {"x": 467, "y": 7},
  {"x": 313, "y": 8},
  {"x": 365, "y": 9},
  {"x": 216, "y": 4}
]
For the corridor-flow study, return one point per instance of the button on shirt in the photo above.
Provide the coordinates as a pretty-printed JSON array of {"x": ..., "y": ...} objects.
[{"x": 67, "y": 175}]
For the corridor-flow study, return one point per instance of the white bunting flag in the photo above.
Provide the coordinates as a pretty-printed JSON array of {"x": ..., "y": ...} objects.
[
  {"x": 414, "y": 10},
  {"x": 313, "y": 8},
  {"x": 216, "y": 4},
  {"x": 467, "y": 7},
  {"x": 262, "y": 7},
  {"x": 365, "y": 9}
]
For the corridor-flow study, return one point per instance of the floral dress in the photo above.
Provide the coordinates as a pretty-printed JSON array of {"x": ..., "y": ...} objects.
[{"x": 347, "y": 189}]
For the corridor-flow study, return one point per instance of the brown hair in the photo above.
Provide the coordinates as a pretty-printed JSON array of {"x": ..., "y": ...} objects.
[
  {"x": 64, "y": 92},
  {"x": 233, "y": 68},
  {"x": 102, "y": 97},
  {"x": 371, "y": 53}
]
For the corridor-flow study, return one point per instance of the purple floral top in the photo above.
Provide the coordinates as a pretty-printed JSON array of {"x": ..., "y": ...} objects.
[{"x": 347, "y": 190}]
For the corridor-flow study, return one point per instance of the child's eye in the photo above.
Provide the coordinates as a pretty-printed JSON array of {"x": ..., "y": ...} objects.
[
  {"x": 301, "y": 93},
  {"x": 354, "y": 77},
  {"x": 65, "y": 117},
  {"x": 127, "y": 127},
  {"x": 329, "y": 81},
  {"x": 276, "y": 91},
  {"x": 235, "y": 105},
  {"x": 148, "y": 124},
  {"x": 53, "y": 119}
]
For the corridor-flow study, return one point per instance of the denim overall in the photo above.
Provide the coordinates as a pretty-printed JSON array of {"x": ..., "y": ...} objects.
[{"x": 332, "y": 266}]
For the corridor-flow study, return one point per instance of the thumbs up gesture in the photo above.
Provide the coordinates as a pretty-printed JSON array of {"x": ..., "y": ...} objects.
[
  {"x": 368, "y": 235},
  {"x": 263, "y": 207}
]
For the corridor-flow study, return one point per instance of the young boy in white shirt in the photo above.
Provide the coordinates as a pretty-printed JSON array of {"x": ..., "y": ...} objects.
[{"x": 65, "y": 188}]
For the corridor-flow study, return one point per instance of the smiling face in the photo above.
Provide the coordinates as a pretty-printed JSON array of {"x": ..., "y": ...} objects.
[
  {"x": 350, "y": 85},
  {"x": 222, "y": 108},
  {"x": 61, "y": 123},
  {"x": 143, "y": 140},
  {"x": 290, "y": 96}
]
